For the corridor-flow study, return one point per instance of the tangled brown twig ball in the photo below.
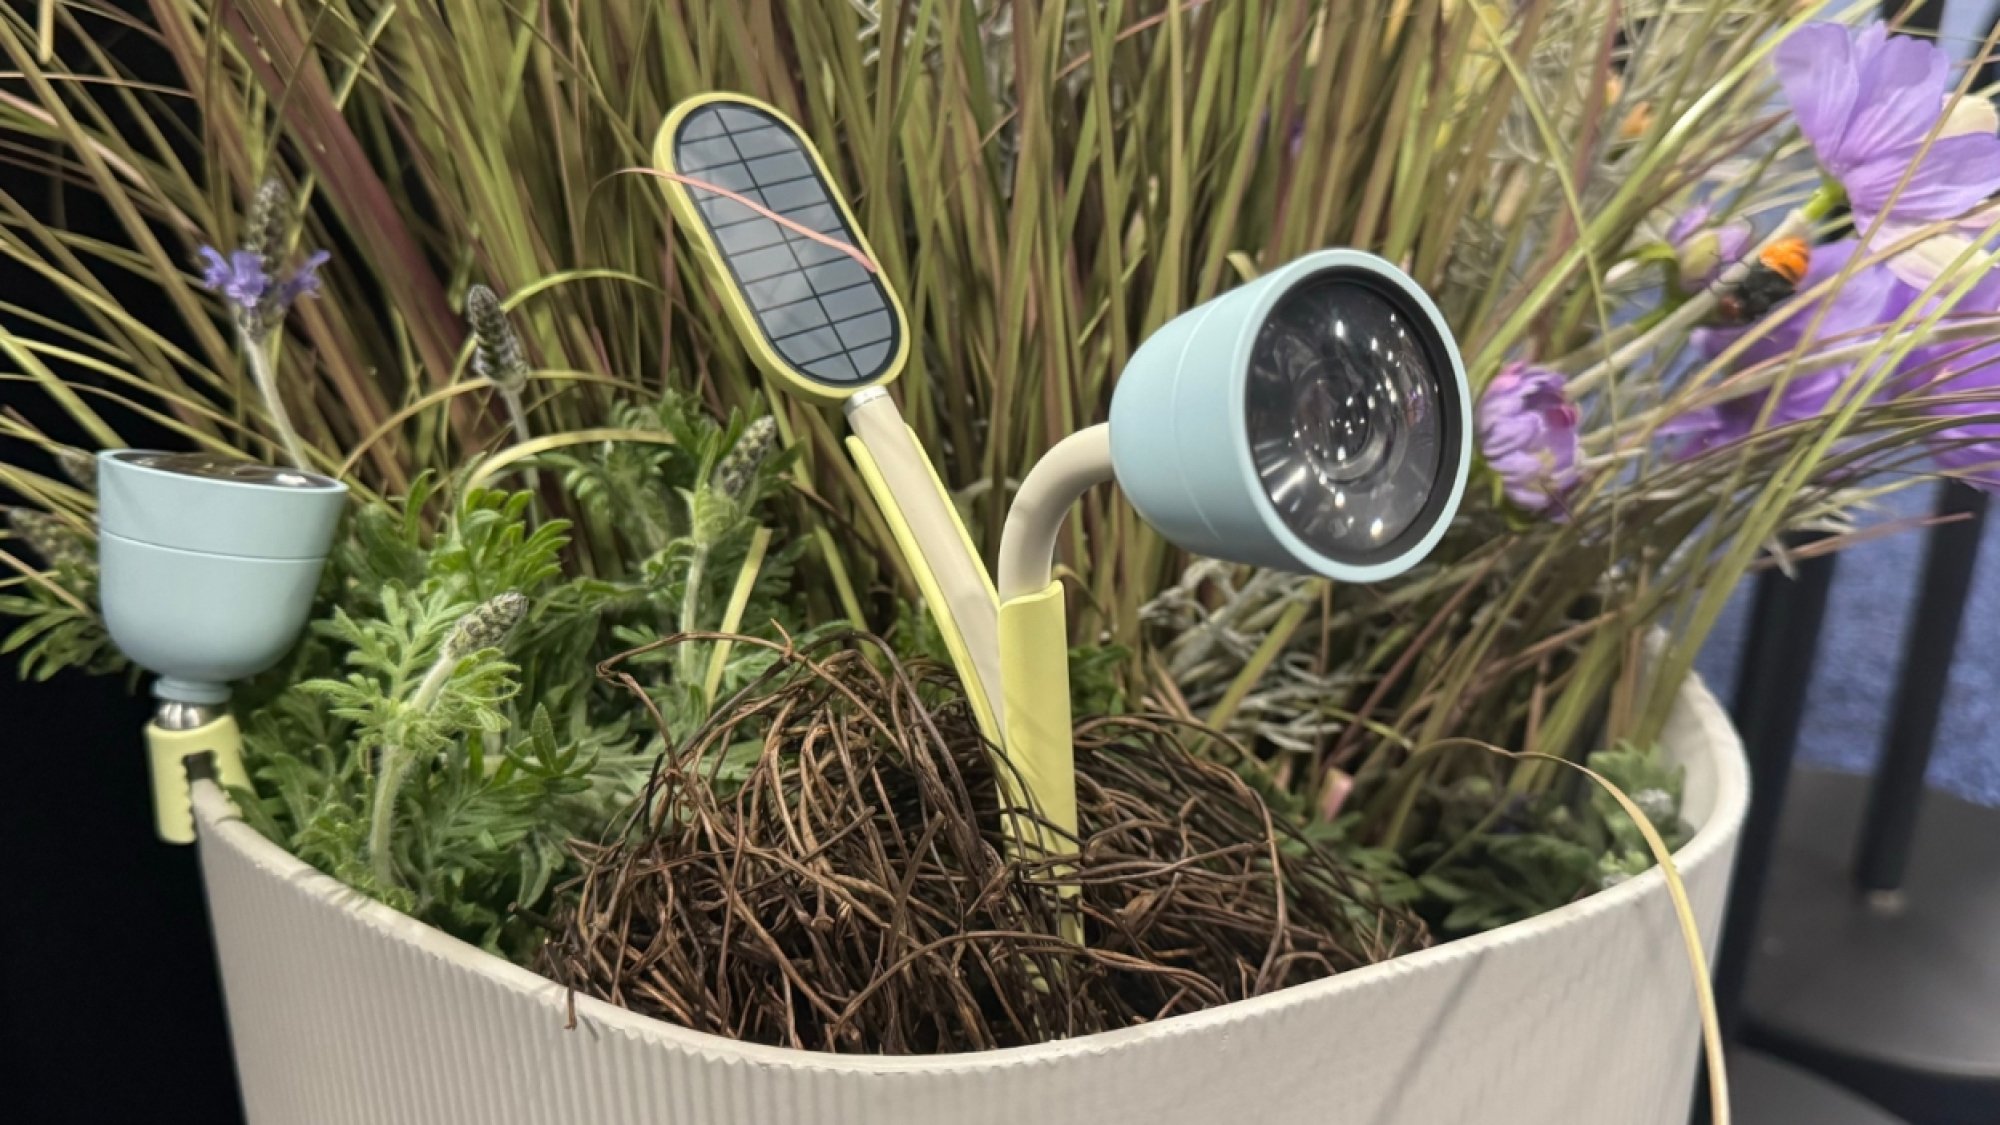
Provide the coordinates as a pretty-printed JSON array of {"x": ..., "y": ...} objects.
[{"x": 852, "y": 890}]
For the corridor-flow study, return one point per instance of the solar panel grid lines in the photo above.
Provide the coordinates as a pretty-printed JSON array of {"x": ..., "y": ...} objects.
[{"x": 821, "y": 311}]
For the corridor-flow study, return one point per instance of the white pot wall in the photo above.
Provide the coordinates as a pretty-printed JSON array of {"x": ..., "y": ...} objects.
[{"x": 344, "y": 1012}]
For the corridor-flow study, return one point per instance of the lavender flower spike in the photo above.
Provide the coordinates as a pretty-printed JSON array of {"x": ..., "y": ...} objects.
[
  {"x": 251, "y": 278},
  {"x": 239, "y": 277},
  {"x": 1527, "y": 429},
  {"x": 259, "y": 291},
  {"x": 1867, "y": 101}
]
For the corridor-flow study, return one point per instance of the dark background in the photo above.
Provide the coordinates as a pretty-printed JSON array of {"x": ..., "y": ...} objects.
[{"x": 110, "y": 1008}]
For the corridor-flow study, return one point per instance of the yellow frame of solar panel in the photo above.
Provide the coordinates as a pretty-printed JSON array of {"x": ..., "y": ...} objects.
[{"x": 681, "y": 200}]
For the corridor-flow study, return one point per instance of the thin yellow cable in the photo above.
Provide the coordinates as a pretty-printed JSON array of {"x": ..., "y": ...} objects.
[{"x": 1704, "y": 989}]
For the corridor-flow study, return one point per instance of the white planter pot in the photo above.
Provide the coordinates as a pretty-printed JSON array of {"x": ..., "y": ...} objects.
[{"x": 344, "y": 1011}]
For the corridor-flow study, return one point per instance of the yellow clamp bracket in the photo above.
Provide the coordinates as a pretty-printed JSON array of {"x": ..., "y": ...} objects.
[
  {"x": 1039, "y": 749},
  {"x": 167, "y": 754}
]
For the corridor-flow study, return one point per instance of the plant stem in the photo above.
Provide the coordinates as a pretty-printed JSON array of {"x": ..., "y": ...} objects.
[
  {"x": 732, "y": 614},
  {"x": 382, "y": 817},
  {"x": 517, "y": 412},
  {"x": 396, "y": 762},
  {"x": 255, "y": 350},
  {"x": 1260, "y": 661},
  {"x": 691, "y": 612},
  {"x": 434, "y": 681},
  {"x": 517, "y": 419}
]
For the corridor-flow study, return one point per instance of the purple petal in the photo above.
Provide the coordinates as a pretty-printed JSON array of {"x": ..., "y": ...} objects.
[
  {"x": 1816, "y": 67},
  {"x": 304, "y": 281},
  {"x": 1956, "y": 175},
  {"x": 1690, "y": 221},
  {"x": 1970, "y": 453},
  {"x": 247, "y": 280},
  {"x": 1501, "y": 438},
  {"x": 1861, "y": 301},
  {"x": 1527, "y": 431},
  {"x": 1971, "y": 449},
  {"x": 1958, "y": 366},
  {"x": 1703, "y": 431},
  {"x": 215, "y": 268},
  {"x": 1712, "y": 342},
  {"x": 1530, "y": 495},
  {"x": 1806, "y": 394},
  {"x": 1868, "y": 41},
  {"x": 1897, "y": 100},
  {"x": 1691, "y": 423}
]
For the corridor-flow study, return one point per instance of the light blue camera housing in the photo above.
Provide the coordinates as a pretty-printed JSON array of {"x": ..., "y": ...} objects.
[
  {"x": 207, "y": 580},
  {"x": 1180, "y": 445}
]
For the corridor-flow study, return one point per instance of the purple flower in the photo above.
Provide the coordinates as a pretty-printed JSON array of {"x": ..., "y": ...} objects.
[
  {"x": 1867, "y": 101},
  {"x": 240, "y": 277},
  {"x": 1704, "y": 251},
  {"x": 1971, "y": 451},
  {"x": 259, "y": 300},
  {"x": 1690, "y": 222},
  {"x": 1867, "y": 299},
  {"x": 252, "y": 278},
  {"x": 304, "y": 281},
  {"x": 1528, "y": 433},
  {"x": 1967, "y": 372}
]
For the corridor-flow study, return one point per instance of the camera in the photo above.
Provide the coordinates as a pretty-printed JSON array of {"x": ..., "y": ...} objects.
[{"x": 1315, "y": 420}]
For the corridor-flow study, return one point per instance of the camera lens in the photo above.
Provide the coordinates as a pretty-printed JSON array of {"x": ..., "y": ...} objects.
[{"x": 1346, "y": 421}]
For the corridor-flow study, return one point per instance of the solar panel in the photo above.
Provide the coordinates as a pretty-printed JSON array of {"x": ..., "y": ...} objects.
[{"x": 823, "y": 317}]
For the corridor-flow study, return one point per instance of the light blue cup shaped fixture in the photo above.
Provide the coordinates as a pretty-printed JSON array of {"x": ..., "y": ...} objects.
[
  {"x": 1314, "y": 420},
  {"x": 208, "y": 565}
]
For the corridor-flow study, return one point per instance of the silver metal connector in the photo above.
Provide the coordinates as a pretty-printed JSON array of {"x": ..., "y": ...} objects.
[
  {"x": 863, "y": 397},
  {"x": 172, "y": 714}
]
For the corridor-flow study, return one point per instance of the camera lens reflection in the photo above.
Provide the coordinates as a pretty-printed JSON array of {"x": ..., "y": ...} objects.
[{"x": 1343, "y": 416}]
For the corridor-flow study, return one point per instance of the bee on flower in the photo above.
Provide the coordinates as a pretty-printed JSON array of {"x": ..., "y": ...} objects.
[{"x": 1773, "y": 279}]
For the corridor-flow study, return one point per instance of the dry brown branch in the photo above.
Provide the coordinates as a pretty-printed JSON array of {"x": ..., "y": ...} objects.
[{"x": 822, "y": 865}]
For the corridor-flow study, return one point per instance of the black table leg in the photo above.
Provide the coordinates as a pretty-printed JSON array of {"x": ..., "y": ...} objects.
[
  {"x": 1925, "y": 15},
  {"x": 1770, "y": 703},
  {"x": 1950, "y": 560},
  {"x": 1874, "y": 965}
]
